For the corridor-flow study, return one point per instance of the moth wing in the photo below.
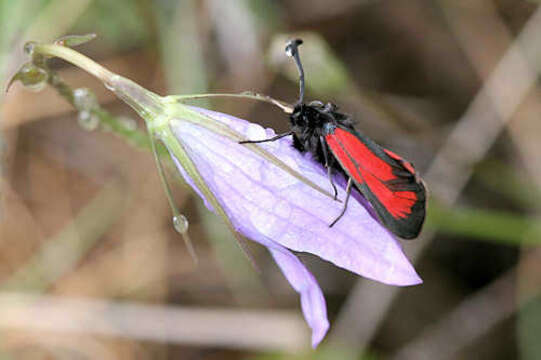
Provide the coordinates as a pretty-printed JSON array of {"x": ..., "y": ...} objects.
[{"x": 386, "y": 180}]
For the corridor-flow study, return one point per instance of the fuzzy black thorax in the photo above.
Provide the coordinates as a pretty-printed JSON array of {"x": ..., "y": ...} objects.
[{"x": 310, "y": 122}]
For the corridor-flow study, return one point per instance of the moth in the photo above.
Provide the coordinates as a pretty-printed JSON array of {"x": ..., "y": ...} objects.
[{"x": 389, "y": 182}]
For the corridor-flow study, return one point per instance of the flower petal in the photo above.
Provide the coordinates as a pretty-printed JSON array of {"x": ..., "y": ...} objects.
[
  {"x": 265, "y": 203},
  {"x": 312, "y": 300}
]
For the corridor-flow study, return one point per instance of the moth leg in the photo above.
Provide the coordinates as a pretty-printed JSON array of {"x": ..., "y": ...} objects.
[
  {"x": 328, "y": 165},
  {"x": 274, "y": 138},
  {"x": 348, "y": 194}
]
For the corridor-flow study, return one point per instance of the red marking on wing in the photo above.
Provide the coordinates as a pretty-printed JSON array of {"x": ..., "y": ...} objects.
[
  {"x": 406, "y": 164},
  {"x": 367, "y": 168}
]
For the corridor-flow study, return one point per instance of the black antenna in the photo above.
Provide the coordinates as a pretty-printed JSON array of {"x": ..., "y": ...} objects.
[{"x": 292, "y": 50}]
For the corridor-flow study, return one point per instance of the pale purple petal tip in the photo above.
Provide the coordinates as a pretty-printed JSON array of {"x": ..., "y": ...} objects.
[
  {"x": 312, "y": 300},
  {"x": 269, "y": 206}
]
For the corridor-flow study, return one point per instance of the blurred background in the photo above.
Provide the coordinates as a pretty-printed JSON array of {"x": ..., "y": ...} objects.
[{"x": 91, "y": 267}]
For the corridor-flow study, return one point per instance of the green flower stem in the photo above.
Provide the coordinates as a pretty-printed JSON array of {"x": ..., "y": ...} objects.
[
  {"x": 61, "y": 87},
  {"x": 73, "y": 57},
  {"x": 143, "y": 101}
]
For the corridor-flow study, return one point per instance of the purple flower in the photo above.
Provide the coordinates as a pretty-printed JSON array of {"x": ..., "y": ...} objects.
[
  {"x": 267, "y": 205},
  {"x": 259, "y": 199}
]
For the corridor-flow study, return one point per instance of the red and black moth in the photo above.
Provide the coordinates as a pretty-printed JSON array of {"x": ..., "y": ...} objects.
[{"x": 386, "y": 180}]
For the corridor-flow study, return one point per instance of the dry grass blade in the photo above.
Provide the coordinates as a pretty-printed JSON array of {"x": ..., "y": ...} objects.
[{"x": 237, "y": 329}]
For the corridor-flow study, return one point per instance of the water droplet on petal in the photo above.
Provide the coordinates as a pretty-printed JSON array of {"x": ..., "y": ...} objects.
[
  {"x": 255, "y": 132},
  {"x": 110, "y": 84},
  {"x": 87, "y": 120},
  {"x": 84, "y": 99},
  {"x": 180, "y": 223}
]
